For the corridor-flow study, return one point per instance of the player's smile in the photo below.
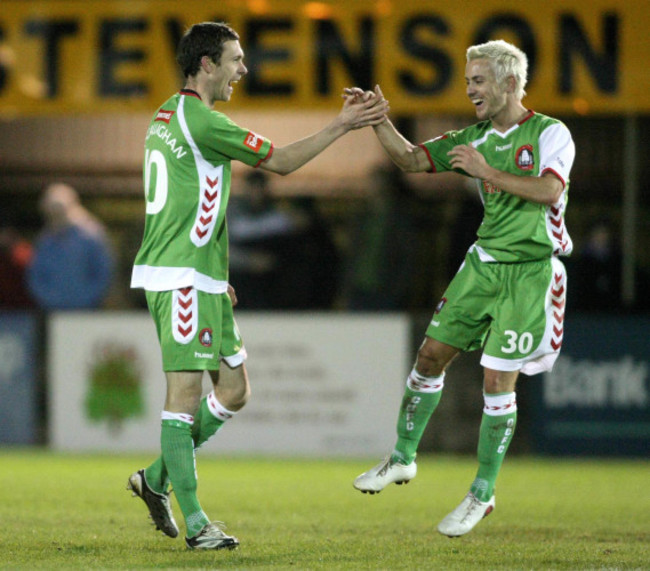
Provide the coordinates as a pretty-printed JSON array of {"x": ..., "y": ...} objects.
[
  {"x": 232, "y": 68},
  {"x": 478, "y": 103},
  {"x": 483, "y": 90},
  {"x": 231, "y": 84}
]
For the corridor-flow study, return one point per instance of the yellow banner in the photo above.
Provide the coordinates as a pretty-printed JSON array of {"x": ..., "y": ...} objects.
[{"x": 118, "y": 56}]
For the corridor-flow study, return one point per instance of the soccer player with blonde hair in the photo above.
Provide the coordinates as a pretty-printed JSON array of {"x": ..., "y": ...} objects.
[{"x": 508, "y": 296}]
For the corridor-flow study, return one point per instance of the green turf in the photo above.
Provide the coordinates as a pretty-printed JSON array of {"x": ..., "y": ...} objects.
[{"x": 72, "y": 512}]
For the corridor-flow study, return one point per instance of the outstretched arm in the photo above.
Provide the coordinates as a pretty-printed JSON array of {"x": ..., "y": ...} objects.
[
  {"x": 407, "y": 156},
  {"x": 353, "y": 115}
]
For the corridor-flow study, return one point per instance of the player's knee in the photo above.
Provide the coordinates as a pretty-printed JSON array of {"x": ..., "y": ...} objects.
[
  {"x": 243, "y": 395},
  {"x": 234, "y": 397},
  {"x": 428, "y": 363},
  {"x": 495, "y": 382}
]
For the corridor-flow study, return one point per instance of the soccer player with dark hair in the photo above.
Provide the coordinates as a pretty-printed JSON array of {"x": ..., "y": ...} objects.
[
  {"x": 508, "y": 296},
  {"x": 182, "y": 263}
]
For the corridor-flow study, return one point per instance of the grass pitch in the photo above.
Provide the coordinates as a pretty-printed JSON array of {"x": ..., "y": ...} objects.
[{"x": 72, "y": 511}]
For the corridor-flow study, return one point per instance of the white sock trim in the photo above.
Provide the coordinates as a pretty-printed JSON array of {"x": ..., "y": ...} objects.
[
  {"x": 217, "y": 409},
  {"x": 182, "y": 416},
  {"x": 500, "y": 405},
  {"x": 421, "y": 384}
]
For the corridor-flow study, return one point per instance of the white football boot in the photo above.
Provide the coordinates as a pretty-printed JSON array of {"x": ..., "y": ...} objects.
[
  {"x": 386, "y": 472},
  {"x": 465, "y": 516},
  {"x": 160, "y": 508},
  {"x": 212, "y": 537}
]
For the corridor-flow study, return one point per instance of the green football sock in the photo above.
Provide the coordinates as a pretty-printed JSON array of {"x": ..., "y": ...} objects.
[
  {"x": 208, "y": 420},
  {"x": 421, "y": 397},
  {"x": 157, "y": 477},
  {"x": 495, "y": 436},
  {"x": 178, "y": 457}
]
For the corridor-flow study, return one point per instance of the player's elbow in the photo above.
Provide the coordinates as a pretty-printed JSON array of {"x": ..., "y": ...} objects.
[
  {"x": 410, "y": 167},
  {"x": 407, "y": 162},
  {"x": 284, "y": 171},
  {"x": 553, "y": 189},
  {"x": 551, "y": 200},
  {"x": 552, "y": 195},
  {"x": 279, "y": 164}
]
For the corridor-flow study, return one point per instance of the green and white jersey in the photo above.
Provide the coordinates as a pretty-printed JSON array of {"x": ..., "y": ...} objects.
[
  {"x": 187, "y": 174},
  {"x": 514, "y": 229}
]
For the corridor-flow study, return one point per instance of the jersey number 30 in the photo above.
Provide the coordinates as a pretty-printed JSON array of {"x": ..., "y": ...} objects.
[{"x": 523, "y": 342}]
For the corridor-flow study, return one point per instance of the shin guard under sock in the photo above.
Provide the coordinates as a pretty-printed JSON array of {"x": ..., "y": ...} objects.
[
  {"x": 178, "y": 457},
  {"x": 496, "y": 432},
  {"x": 421, "y": 397},
  {"x": 209, "y": 419}
]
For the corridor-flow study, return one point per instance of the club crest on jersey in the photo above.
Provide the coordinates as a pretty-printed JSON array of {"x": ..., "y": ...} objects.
[
  {"x": 253, "y": 141},
  {"x": 205, "y": 337},
  {"x": 440, "y": 305},
  {"x": 525, "y": 158},
  {"x": 164, "y": 116}
]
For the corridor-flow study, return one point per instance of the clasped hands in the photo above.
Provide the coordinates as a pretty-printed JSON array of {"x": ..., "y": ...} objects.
[
  {"x": 365, "y": 108},
  {"x": 464, "y": 157}
]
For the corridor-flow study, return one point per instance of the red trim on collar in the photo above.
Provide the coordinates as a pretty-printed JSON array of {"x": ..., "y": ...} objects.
[
  {"x": 530, "y": 114},
  {"x": 190, "y": 92}
]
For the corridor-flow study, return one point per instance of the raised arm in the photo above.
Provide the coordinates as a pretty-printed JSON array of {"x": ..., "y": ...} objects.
[
  {"x": 407, "y": 156},
  {"x": 354, "y": 114}
]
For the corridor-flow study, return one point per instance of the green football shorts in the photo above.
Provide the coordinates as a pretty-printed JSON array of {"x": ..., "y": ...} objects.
[
  {"x": 195, "y": 329},
  {"x": 514, "y": 311}
]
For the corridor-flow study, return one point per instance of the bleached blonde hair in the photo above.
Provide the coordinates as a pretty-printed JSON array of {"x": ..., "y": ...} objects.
[{"x": 506, "y": 60}]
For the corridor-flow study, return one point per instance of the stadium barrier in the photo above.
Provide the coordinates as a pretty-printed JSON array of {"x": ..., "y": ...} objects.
[{"x": 323, "y": 384}]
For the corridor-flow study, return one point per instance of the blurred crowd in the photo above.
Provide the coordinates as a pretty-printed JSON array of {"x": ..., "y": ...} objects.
[
  {"x": 68, "y": 266},
  {"x": 388, "y": 254}
]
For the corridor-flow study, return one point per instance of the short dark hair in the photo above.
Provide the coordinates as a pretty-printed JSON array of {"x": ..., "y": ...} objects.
[{"x": 204, "y": 39}]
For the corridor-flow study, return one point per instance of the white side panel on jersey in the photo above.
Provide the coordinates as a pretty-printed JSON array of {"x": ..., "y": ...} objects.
[
  {"x": 556, "y": 228},
  {"x": 210, "y": 187},
  {"x": 557, "y": 152}
]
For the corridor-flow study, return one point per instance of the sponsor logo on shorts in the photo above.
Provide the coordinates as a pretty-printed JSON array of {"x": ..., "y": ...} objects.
[
  {"x": 198, "y": 355},
  {"x": 253, "y": 141},
  {"x": 435, "y": 323},
  {"x": 205, "y": 337}
]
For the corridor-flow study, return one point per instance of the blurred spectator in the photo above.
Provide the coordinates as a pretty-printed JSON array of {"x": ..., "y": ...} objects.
[
  {"x": 15, "y": 255},
  {"x": 310, "y": 261},
  {"x": 258, "y": 232},
  {"x": 385, "y": 245},
  {"x": 72, "y": 263},
  {"x": 597, "y": 270},
  {"x": 281, "y": 256},
  {"x": 463, "y": 229}
]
